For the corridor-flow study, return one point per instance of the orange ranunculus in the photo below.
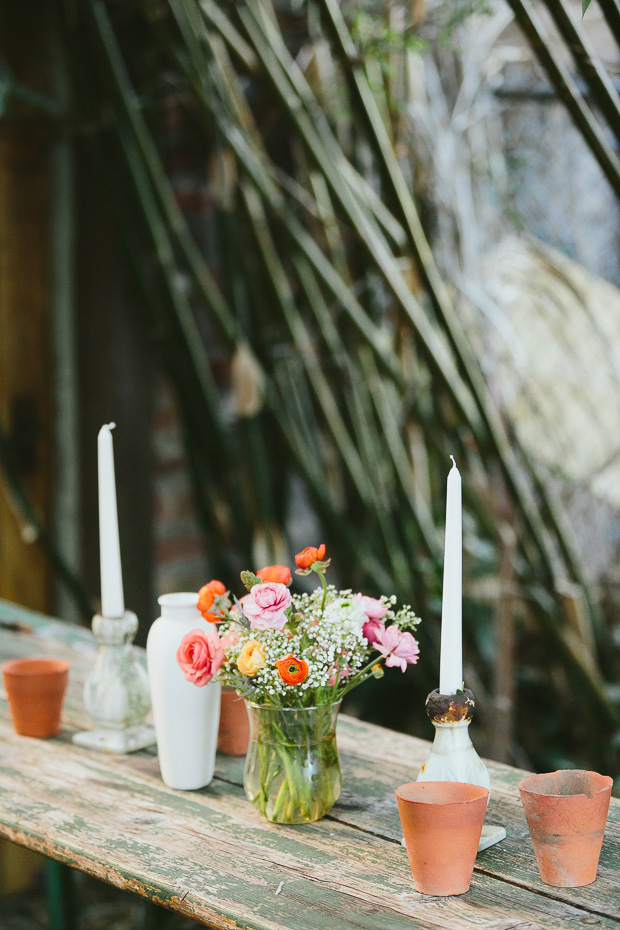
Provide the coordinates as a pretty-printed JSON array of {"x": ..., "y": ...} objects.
[
  {"x": 206, "y": 597},
  {"x": 309, "y": 556},
  {"x": 251, "y": 658},
  {"x": 291, "y": 670},
  {"x": 281, "y": 574}
]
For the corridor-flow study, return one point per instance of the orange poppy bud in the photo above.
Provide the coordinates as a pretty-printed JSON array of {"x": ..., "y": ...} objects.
[
  {"x": 309, "y": 556},
  {"x": 206, "y": 597},
  {"x": 281, "y": 574},
  {"x": 291, "y": 670}
]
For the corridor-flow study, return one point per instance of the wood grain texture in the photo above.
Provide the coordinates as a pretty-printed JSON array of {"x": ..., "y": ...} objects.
[{"x": 210, "y": 855}]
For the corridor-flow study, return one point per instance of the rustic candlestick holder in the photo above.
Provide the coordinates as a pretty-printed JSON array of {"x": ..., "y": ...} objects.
[
  {"x": 452, "y": 756},
  {"x": 116, "y": 692}
]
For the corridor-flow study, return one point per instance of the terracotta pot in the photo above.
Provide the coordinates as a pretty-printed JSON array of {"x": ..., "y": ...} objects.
[
  {"x": 442, "y": 822},
  {"x": 566, "y": 813},
  {"x": 35, "y": 689},
  {"x": 234, "y": 734}
]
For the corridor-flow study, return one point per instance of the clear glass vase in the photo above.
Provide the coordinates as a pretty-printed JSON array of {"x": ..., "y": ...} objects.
[{"x": 292, "y": 769}]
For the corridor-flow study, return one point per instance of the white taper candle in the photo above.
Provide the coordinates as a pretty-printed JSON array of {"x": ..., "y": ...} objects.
[
  {"x": 451, "y": 662},
  {"x": 112, "y": 601}
]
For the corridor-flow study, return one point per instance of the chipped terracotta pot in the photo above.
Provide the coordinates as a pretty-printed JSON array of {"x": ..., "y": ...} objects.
[
  {"x": 234, "y": 733},
  {"x": 442, "y": 822},
  {"x": 566, "y": 813},
  {"x": 35, "y": 689}
]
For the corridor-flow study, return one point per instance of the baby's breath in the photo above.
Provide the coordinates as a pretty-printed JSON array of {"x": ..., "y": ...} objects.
[{"x": 328, "y": 637}]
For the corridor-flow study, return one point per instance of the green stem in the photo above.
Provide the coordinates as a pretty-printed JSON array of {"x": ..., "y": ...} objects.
[
  {"x": 360, "y": 677},
  {"x": 324, "y": 583}
]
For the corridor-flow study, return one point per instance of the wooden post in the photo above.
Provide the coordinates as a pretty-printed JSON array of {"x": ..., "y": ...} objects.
[
  {"x": 25, "y": 411},
  {"x": 25, "y": 382}
]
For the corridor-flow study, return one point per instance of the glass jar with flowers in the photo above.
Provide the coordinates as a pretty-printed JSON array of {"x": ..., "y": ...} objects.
[{"x": 293, "y": 657}]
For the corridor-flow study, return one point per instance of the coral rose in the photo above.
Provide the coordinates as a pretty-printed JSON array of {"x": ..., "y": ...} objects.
[
  {"x": 200, "y": 656},
  {"x": 308, "y": 556},
  {"x": 279, "y": 573},
  {"x": 291, "y": 670},
  {"x": 266, "y": 605},
  {"x": 398, "y": 648},
  {"x": 251, "y": 658},
  {"x": 207, "y": 597}
]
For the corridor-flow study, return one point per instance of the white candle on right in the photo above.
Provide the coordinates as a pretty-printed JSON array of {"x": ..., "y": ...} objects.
[
  {"x": 451, "y": 661},
  {"x": 112, "y": 600}
]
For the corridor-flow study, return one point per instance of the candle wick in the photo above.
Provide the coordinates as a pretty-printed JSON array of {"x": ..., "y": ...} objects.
[{"x": 453, "y": 461}]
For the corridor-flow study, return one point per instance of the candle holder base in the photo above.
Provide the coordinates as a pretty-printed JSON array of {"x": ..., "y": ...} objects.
[
  {"x": 452, "y": 756},
  {"x": 118, "y": 741},
  {"x": 116, "y": 692},
  {"x": 492, "y": 833}
]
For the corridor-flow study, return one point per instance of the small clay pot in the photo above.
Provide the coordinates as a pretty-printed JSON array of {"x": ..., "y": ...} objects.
[
  {"x": 234, "y": 733},
  {"x": 35, "y": 689},
  {"x": 442, "y": 822},
  {"x": 566, "y": 813}
]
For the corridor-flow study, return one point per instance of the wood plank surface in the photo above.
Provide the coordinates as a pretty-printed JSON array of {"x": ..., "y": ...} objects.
[{"x": 210, "y": 855}]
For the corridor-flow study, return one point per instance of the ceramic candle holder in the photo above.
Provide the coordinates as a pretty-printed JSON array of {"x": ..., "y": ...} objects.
[
  {"x": 116, "y": 693},
  {"x": 452, "y": 756}
]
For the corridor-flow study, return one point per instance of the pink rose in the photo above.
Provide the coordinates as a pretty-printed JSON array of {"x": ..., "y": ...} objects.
[
  {"x": 265, "y": 605},
  {"x": 200, "y": 655},
  {"x": 373, "y": 630},
  {"x": 398, "y": 648},
  {"x": 372, "y": 606}
]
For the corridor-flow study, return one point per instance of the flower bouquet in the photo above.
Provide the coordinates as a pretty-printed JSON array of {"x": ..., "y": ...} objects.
[{"x": 293, "y": 657}]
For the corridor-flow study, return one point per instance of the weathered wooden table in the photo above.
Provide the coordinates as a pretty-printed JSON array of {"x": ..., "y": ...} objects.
[{"x": 210, "y": 855}]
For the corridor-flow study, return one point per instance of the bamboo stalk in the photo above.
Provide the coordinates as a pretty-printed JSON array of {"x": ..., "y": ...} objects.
[
  {"x": 567, "y": 90},
  {"x": 252, "y": 161},
  {"x": 611, "y": 12},
  {"x": 161, "y": 185},
  {"x": 302, "y": 341},
  {"x": 437, "y": 291},
  {"x": 589, "y": 64},
  {"x": 370, "y": 235}
]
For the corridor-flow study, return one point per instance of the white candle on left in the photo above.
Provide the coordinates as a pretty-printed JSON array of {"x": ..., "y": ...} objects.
[
  {"x": 112, "y": 601},
  {"x": 451, "y": 662}
]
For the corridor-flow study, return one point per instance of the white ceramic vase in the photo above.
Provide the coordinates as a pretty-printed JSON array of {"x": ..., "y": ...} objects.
[{"x": 186, "y": 717}]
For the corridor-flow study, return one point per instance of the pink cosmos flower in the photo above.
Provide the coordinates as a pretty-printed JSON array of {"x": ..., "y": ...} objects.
[
  {"x": 373, "y": 630},
  {"x": 230, "y": 639},
  {"x": 398, "y": 648},
  {"x": 372, "y": 606},
  {"x": 266, "y": 604},
  {"x": 200, "y": 655}
]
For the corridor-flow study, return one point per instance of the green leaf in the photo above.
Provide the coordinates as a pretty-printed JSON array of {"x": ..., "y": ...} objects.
[{"x": 584, "y": 6}]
